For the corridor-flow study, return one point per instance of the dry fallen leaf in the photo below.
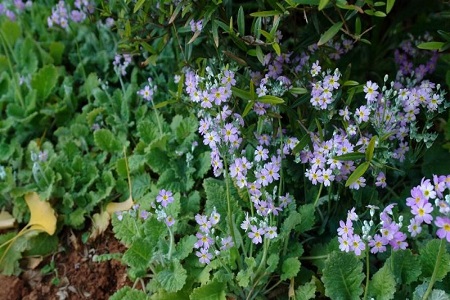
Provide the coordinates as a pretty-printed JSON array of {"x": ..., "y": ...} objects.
[
  {"x": 6, "y": 220},
  {"x": 100, "y": 222},
  {"x": 42, "y": 214},
  {"x": 119, "y": 206}
]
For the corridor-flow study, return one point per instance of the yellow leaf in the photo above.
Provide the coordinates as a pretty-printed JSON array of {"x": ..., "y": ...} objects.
[
  {"x": 100, "y": 222},
  {"x": 119, "y": 206},
  {"x": 42, "y": 214},
  {"x": 6, "y": 220}
]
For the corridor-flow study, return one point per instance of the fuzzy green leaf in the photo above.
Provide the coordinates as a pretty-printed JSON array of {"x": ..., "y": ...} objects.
[
  {"x": 9, "y": 264},
  {"x": 44, "y": 81},
  {"x": 212, "y": 291},
  {"x": 290, "y": 268},
  {"x": 216, "y": 196},
  {"x": 107, "y": 141},
  {"x": 244, "y": 275},
  {"x": 307, "y": 218},
  {"x": 405, "y": 266},
  {"x": 343, "y": 276},
  {"x": 56, "y": 52},
  {"x": 139, "y": 255},
  {"x": 127, "y": 292},
  {"x": 11, "y": 32},
  {"x": 172, "y": 279},
  {"x": 126, "y": 230},
  {"x": 42, "y": 244},
  {"x": 158, "y": 160},
  {"x": 306, "y": 291},
  {"x": 382, "y": 285},
  {"x": 430, "y": 259},
  {"x": 184, "y": 247}
]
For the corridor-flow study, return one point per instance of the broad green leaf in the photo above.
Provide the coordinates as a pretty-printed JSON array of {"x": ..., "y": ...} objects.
[
  {"x": 244, "y": 275},
  {"x": 172, "y": 279},
  {"x": 125, "y": 230},
  {"x": 267, "y": 13},
  {"x": 307, "y": 218},
  {"x": 435, "y": 257},
  {"x": 270, "y": 99},
  {"x": 405, "y": 266},
  {"x": 11, "y": 32},
  {"x": 240, "y": 93},
  {"x": 430, "y": 45},
  {"x": 359, "y": 171},
  {"x": 41, "y": 245},
  {"x": 9, "y": 257},
  {"x": 184, "y": 247},
  {"x": 44, "y": 81},
  {"x": 330, "y": 33},
  {"x": 212, "y": 291},
  {"x": 306, "y": 291},
  {"x": 290, "y": 268},
  {"x": 389, "y": 5},
  {"x": 107, "y": 141},
  {"x": 323, "y": 3},
  {"x": 139, "y": 255},
  {"x": 241, "y": 21},
  {"x": 56, "y": 52},
  {"x": 382, "y": 285},
  {"x": 343, "y": 276}
]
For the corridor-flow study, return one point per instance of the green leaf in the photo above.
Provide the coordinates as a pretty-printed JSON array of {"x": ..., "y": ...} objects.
[
  {"x": 405, "y": 266},
  {"x": 138, "y": 5},
  {"x": 430, "y": 45},
  {"x": 306, "y": 291},
  {"x": 184, "y": 247},
  {"x": 330, "y": 33},
  {"x": 127, "y": 293},
  {"x": 125, "y": 230},
  {"x": 298, "y": 91},
  {"x": 270, "y": 99},
  {"x": 9, "y": 263},
  {"x": 371, "y": 148},
  {"x": 379, "y": 14},
  {"x": 216, "y": 196},
  {"x": 267, "y": 13},
  {"x": 382, "y": 285},
  {"x": 42, "y": 244},
  {"x": 350, "y": 156},
  {"x": 56, "y": 52},
  {"x": 290, "y": 268},
  {"x": 241, "y": 21},
  {"x": 44, "y": 81},
  {"x": 323, "y": 3},
  {"x": 107, "y": 141},
  {"x": 240, "y": 93},
  {"x": 277, "y": 48},
  {"x": 343, "y": 276},
  {"x": 307, "y": 218},
  {"x": 212, "y": 291},
  {"x": 359, "y": 171},
  {"x": 389, "y": 5},
  {"x": 434, "y": 256},
  {"x": 139, "y": 255},
  {"x": 11, "y": 32},
  {"x": 172, "y": 279}
]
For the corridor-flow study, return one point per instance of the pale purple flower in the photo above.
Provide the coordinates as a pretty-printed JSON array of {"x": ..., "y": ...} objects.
[
  {"x": 164, "y": 197},
  {"x": 227, "y": 243},
  {"x": 444, "y": 228},
  {"x": 357, "y": 245},
  {"x": 362, "y": 114},
  {"x": 169, "y": 221},
  {"x": 271, "y": 232},
  {"x": 381, "y": 180},
  {"x": 414, "y": 227},
  {"x": 422, "y": 211},
  {"x": 377, "y": 244},
  {"x": 205, "y": 224},
  {"x": 204, "y": 256},
  {"x": 344, "y": 243},
  {"x": 256, "y": 234},
  {"x": 261, "y": 154},
  {"x": 371, "y": 91}
]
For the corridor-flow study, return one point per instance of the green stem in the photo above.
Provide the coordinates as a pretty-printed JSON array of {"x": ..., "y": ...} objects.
[
  {"x": 157, "y": 119},
  {"x": 436, "y": 267},
  {"x": 318, "y": 194},
  {"x": 314, "y": 257},
  {"x": 366, "y": 289},
  {"x": 171, "y": 242}
]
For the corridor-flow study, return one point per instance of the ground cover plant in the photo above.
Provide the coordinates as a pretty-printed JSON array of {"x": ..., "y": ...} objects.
[{"x": 239, "y": 150}]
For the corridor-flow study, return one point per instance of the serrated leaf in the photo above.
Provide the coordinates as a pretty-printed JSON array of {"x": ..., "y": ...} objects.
[
  {"x": 290, "y": 268},
  {"x": 172, "y": 279},
  {"x": 343, "y": 276},
  {"x": 434, "y": 256},
  {"x": 382, "y": 285},
  {"x": 9, "y": 257},
  {"x": 107, "y": 141},
  {"x": 357, "y": 173},
  {"x": 125, "y": 229},
  {"x": 139, "y": 255},
  {"x": 184, "y": 247},
  {"x": 212, "y": 291},
  {"x": 42, "y": 214},
  {"x": 44, "y": 81},
  {"x": 306, "y": 291},
  {"x": 307, "y": 218},
  {"x": 330, "y": 33},
  {"x": 405, "y": 266}
]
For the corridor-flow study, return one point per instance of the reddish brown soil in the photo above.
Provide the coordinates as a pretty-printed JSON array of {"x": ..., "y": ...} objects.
[{"x": 79, "y": 277}]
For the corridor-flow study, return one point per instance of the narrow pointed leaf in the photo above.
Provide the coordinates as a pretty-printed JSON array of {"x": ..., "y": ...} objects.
[
  {"x": 330, "y": 33},
  {"x": 359, "y": 171}
]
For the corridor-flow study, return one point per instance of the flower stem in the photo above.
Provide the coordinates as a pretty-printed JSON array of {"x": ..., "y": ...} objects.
[
  {"x": 366, "y": 289},
  {"x": 436, "y": 267},
  {"x": 318, "y": 194}
]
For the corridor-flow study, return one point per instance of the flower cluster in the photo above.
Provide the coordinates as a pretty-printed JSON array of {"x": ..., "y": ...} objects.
[
  {"x": 60, "y": 13},
  {"x": 413, "y": 62},
  {"x": 121, "y": 62},
  {"x": 392, "y": 114},
  {"x": 429, "y": 204},
  {"x": 206, "y": 240},
  {"x": 12, "y": 8},
  {"x": 148, "y": 91}
]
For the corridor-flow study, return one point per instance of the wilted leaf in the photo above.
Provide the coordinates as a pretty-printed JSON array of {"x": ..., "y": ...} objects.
[
  {"x": 112, "y": 207},
  {"x": 6, "y": 220},
  {"x": 42, "y": 214},
  {"x": 100, "y": 221}
]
